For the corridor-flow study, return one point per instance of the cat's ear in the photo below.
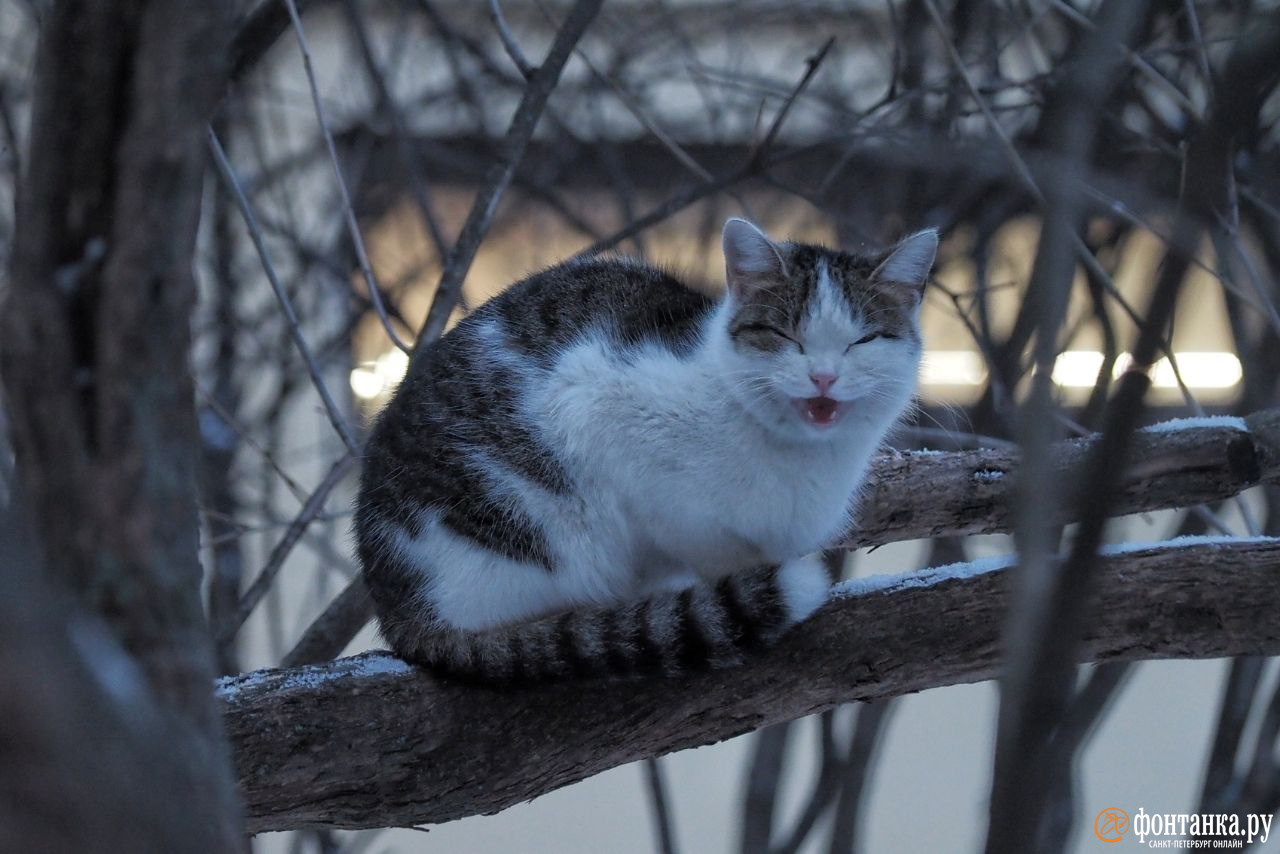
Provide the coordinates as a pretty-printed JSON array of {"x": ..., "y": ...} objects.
[
  {"x": 910, "y": 261},
  {"x": 751, "y": 259}
]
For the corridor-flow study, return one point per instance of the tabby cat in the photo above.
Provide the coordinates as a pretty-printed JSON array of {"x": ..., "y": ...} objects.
[{"x": 603, "y": 471}]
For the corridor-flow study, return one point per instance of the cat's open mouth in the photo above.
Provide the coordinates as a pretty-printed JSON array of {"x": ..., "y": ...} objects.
[{"x": 821, "y": 411}]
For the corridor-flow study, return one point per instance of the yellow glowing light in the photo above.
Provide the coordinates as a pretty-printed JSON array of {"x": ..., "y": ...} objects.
[
  {"x": 391, "y": 366},
  {"x": 383, "y": 374},
  {"x": 1199, "y": 370},
  {"x": 1077, "y": 368},
  {"x": 953, "y": 367},
  {"x": 365, "y": 383}
]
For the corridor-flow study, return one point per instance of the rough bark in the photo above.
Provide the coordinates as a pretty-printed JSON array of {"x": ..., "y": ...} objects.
[
  {"x": 96, "y": 329},
  {"x": 971, "y": 492},
  {"x": 95, "y": 336},
  {"x": 369, "y": 742},
  {"x": 88, "y": 760}
]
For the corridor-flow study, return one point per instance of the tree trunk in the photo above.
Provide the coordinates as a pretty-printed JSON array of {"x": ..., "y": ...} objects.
[{"x": 95, "y": 336}]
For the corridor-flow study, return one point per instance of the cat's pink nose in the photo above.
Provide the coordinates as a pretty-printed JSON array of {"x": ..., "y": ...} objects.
[{"x": 823, "y": 381}]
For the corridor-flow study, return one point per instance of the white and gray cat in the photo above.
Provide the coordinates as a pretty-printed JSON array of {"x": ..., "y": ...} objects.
[{"x": 602, "y": 471}]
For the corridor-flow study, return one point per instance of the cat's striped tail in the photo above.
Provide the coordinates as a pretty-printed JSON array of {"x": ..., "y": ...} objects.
[{"x": 713, "y": 623}]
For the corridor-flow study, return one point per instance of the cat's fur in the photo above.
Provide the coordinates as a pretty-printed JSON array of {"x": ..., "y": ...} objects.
[{"x": 603, "y": 471}]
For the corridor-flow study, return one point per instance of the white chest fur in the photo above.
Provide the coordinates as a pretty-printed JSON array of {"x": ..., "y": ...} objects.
[{"x": 668, "y": 461}]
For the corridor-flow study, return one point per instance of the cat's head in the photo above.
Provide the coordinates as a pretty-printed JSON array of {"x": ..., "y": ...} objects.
[{"x": 821, "y": 342}]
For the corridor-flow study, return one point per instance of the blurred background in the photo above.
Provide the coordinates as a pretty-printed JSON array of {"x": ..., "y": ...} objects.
[{"x": 844, "y": 122}]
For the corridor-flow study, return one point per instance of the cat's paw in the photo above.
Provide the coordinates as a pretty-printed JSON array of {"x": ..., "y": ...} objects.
[{"x": 805, "y": 587}]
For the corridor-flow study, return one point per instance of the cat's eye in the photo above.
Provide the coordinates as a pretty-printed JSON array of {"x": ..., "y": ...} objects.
[
  {"x": 865, "y": 339},
  {"x": 769, "y": 330}
]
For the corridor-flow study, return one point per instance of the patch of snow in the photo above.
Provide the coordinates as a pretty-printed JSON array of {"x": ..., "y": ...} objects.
[
  {"x": 988, "y": 475},
  {"x": 926, "y": 452},
  {"x": 228, "y": 688},
  {"x": 383, "y": 664},
  {"x": 891, "y": 582},
  {"x": 1183, "y": 543},
  {"x": 921, "y": 578},
  {"x": 1177, "y": 424}
]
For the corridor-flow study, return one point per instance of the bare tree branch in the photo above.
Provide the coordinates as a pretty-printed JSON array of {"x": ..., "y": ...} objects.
[
  {"x": 660, "y": 804},
  {"x": 764, "y": 776},
  {"x": 262, "y": 583},
  {"x": 541, "y": 83},
  {"x": 369, "y": 741},
  {"x": 228, "y": 176},
  {"x": 1054, "y": 610},
  {"x": 329, "y": 633},
  {"x": 971, "y": 492},
  {"x": 509, "y": 42},
  {"x": 868, "y": 726},
  {"x": 257, "y": 31},
  {"x": 348, "y": 212}
]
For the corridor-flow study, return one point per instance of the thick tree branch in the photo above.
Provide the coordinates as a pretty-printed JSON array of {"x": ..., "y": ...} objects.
[
  {"x": 972, "y": 492},
  {"x": 369, "y": 742}
]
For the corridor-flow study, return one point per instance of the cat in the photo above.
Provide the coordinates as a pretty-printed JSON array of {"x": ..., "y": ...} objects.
[{"x": 602, "y": 471}]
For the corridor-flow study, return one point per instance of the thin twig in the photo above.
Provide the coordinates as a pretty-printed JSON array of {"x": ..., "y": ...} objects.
[
  {"x": 859, "y": 763},
  {"x": 812, "y": 64},
  {"x": 419, "y": 190},
  {"x": 349, "y": 214},
  {"x": 1260, "y": 778},
  {"x": 1145, "y": 68},
  {"x": 330, "y": 633},
  {"x": 957, "y": 61},
  {"x": 310, "y": 511},
  {"x": 522, "y": 125},
  {"x": 764, "y": 776},
  {"x": 243, "y": 435},
  {"x": 1019, "y": 165},
  {"x": 660, "y": 801},
  {"x": 1202, "y": 56},
  {"x": 282, "y": 296},
  {"x": 825, "y": 787},
  {"x": 685, "y": 198},
  {"x": 1233, "y": 712},
  {"x": 628, "y": 100},
  {"x": 509, "y": 43}
]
